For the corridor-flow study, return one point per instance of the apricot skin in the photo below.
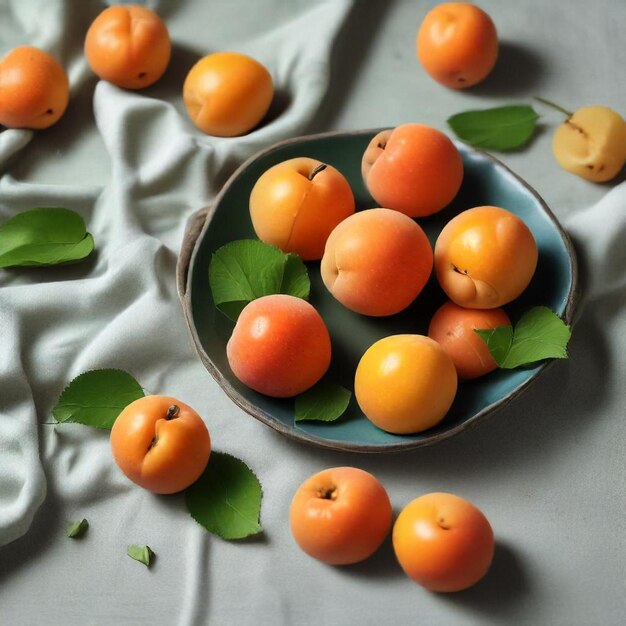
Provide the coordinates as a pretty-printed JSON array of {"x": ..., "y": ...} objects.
[
  {"x": 128, "y": 46},
  {"x": 485, "y": 257},
  {"x": 443, "y": 542},
  {"x": 453, "y": 328},
  {"x": 340, "y": 515},
  {"x": 227, "y": 93},
  {"x": 280, "y": 346},
  {"x": 457, "y": 44},
  {"x": 592, "y": 143},
  {"x": 34, "y": 90},
  {"x": 414, "y": 169},
  {"x": 158, "y": 452},
  {"x": 296, "y": 213},
  {"x": 405, "y": 383},
  {"x": 376, "y": 262}
]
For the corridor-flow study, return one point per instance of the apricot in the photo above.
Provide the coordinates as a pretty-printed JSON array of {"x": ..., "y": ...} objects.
[
  {"x": 485, "y": 257},
  {"x": 340, "y": 515},
  {"x": 160, "y": 443},
  {"x": 414, "y": 169},
  {"x": 453, "y": 328},
  {"x": 443, "y": 542},
  {"x": 457, "y": 44},
  {"x": 405, "y": 383},
  {"x": 227, "y": 93},
  {"x": 591, "y": 143},
  {"x": 34, "y": 90},
  {"x": 376, "y": 262},
  {"x": 129, "y": 46},
  {"x": 296, "y": 204},
  {"x": 280, "y": 346}
]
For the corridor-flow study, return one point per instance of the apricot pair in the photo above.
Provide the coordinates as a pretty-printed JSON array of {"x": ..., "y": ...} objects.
[{"x": 342, "y": 515}]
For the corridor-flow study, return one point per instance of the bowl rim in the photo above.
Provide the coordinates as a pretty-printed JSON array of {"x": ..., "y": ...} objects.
[{"x": 196, "y": 229}]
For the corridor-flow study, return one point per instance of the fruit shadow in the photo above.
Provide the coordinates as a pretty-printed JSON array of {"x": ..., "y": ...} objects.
[
  {"x": 349, "y": 55},
  {"x": 517, "y": 72},
  {"x": 504, "y": 586}
]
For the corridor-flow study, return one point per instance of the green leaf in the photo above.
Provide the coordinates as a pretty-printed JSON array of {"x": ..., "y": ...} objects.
[
  {"x": 226, "y": 499},
  {"x": 502, "y": 128},
  {"x": 244, "y": 270},
  {"x": 97, "y": 397},
  {"x": 498, "y": 341},
  {"x": 44, "y": 237},
  {"x": 143, "y": 554},
  {"x": 75, "y": 530},
  {"x": 540, "y": 334},
  {"x": 324, "y": 402},
  {"x": 295, "y": 278}
]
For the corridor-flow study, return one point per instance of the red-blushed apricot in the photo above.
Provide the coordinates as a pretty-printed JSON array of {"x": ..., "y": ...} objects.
[
  {"x": 160, "y": 443},
  {"x": 485, "y": 257},
  {"x": 227, "y": 93},
  {"x": 405, "y": 383},
  {"x": 454, "y": 329},
  {"x": 457, "y": 44},
  {"x": 340, "y": 515},
  {"x": 591, "y": 143},
  {"x": 443, "y": 542},
  {"x": 280, "y": 346},
  {"x": 296, "y": 204},
  {"x": 376, "y": 262},
  {"x": 129, "y": 46},
  {"x": 414, "y": 169},
  {"x": 34, "y": 90}
]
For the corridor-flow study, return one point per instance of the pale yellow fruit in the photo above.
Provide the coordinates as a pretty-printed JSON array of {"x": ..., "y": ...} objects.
[{"x": 592, "y": 143}]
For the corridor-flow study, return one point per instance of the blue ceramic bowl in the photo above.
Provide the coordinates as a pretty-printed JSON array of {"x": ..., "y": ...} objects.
[{"x": 486, "y": 181}]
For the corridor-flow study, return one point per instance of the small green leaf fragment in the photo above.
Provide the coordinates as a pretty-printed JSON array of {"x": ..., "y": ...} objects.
[
  {"x": 325, "y": 402},
  {"x": 498, "y": 341},
  {"x": 540, "y": 334},
  {"x": 48, "y": 236},
  {"x": 244, "y": 270},
  {"x": 75, "y": 530},
  {"x": 500, "y": 128},
  {"x": 226, "y": 499},
  {"x": 97, "y": 397},
  {"x": 143, "y": 554}
]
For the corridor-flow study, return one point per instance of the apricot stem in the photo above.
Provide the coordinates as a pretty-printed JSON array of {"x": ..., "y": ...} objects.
[
  {"x": 554, "y": 106},
  {"x": 320, "y": 168},
  {"x": 172, "y": 412},
  {"x": 327, "y": 493}
]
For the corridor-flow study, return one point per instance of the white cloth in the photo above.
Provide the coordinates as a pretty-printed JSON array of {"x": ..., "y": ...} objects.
[{"x": 548, "y": 471}]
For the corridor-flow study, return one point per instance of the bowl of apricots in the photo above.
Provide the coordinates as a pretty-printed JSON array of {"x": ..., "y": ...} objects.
[{"x": 408, "y": 243}]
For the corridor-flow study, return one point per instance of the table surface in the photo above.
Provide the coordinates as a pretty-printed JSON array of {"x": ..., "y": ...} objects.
[{"x": 548, "y": 471}]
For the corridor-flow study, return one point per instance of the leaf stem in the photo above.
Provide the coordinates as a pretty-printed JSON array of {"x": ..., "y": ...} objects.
[{"x": 554, "y": 106}]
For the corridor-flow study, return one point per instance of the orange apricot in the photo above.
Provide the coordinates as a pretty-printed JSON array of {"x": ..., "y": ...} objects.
[
  {"x": 485, "y": 257},
  {"x": 340, "y": 515},
  {"x": 414, "y": 169},
  {"x": 443, "y": 542},
  {"x": 453, "y": 328},
  {"x": 227, "y": 93},
  {"x": 405, "y": 383},
  {"x": 34, "y": 90},
  {"x": 376, "y": 262},
  {"x": 457, "y": 44},
  {"x": 280, "y": 346},
  {"x": 296, "y": 204},
  {"x": 160, "y": 443},
  {"x": 129, "y": 46}
]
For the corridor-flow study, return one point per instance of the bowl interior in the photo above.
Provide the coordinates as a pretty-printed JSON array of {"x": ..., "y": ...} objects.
[{"x": 486, "y": 181}]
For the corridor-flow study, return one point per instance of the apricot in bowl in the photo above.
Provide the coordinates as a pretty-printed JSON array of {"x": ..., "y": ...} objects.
[{"x": 485, "y": 182}]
